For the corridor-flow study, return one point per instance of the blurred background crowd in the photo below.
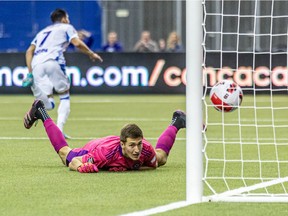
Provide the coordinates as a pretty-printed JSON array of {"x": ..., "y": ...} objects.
[
  {"x": 149, "y": 26},
  {"x": 108, "y": 26}
]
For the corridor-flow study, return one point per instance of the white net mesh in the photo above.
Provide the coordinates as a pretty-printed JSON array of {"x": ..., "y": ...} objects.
[{"x": 247, "y": 41}]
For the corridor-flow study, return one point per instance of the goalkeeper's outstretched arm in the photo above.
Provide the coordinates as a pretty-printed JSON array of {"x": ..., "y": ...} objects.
[{"x": 77, "y": 165}]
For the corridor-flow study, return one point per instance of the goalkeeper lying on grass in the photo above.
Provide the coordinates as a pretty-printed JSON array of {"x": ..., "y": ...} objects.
[{"x": 129, "y": 151}]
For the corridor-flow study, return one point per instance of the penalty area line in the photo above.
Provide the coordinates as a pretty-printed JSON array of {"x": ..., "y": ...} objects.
[{"x": 159, "y": 209}]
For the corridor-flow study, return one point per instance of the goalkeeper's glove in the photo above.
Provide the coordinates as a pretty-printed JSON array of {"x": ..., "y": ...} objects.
[
  {"x": 28, "y": 81},
  {"x": 87, "y": 168},
  {"x": 117, "y": 169}
]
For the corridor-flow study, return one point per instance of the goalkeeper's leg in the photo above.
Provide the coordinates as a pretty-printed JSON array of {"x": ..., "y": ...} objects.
[
  {"x": 56, "y": 137},
  {"x": 167, "y": 138}
]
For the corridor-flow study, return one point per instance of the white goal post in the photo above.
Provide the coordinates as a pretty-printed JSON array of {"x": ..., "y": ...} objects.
[
  {"x": 194, "y": 60},
  {"x": 243, "y": 155}
]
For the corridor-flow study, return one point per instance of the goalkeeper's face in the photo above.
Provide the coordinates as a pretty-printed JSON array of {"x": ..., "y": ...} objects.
[{"x": 132, "y": 148}]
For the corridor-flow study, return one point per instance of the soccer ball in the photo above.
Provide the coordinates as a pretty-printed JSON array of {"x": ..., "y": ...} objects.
[{"x": 226, "y": 96}]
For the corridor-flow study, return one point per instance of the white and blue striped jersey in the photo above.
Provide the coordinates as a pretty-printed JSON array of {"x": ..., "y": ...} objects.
[{"x": 51, "y": 42}]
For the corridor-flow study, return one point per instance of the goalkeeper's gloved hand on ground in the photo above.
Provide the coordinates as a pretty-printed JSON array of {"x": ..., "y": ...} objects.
[
  {"x": 87, "y": 168},
  {"x": 117, "y": 169},
  {"x": 28, "y": 81}
]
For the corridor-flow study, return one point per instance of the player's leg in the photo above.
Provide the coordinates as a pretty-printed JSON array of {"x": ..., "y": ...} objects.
[
  {"x": 63, "y": 110},
  {"x": 42, "y": 88},
  {"x": 56, "y": 137},
  {"x": 61, "y": 85},
  {"x": 167, "y": 138}
]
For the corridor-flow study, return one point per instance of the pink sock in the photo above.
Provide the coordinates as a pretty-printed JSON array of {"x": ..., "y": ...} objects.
[
  {"x": 55, "y": 135},
  {"x": 166, "y": 139}
]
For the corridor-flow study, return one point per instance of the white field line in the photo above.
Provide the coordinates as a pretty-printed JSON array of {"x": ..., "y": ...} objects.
[
  {"x": 135, "y": 99},
  {"x": 148, "y": 138},
  {"x": 99, "y": 119},
  {"x": 106, "y": 101},
  {"x": 159, "y": 209},
  {"x": 126, "y": 101},
  {"x": 73, "y": 138},
  {"x": 149, "y": 119}
]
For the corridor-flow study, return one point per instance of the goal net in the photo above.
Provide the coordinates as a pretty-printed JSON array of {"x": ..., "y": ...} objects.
[{"x": 245, "y": 152}]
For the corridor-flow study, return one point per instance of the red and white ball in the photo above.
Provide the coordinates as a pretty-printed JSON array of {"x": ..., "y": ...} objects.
[{"x": 226, "y": 96}]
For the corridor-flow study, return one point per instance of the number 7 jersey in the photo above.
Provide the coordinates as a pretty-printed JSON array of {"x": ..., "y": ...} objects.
[{"x": 52, "y": 42}]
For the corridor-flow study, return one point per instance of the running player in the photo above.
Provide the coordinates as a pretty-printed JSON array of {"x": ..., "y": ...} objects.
[
  {"x": 46, "y": 63},
  {"x": 129, "y": 151}
]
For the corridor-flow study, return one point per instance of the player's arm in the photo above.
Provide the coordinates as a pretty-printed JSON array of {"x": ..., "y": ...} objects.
[
  {"x": 85, "y": 49},
  {"x": 29, "y": 56},
  {"x": 77, "y": 165},
  {"x": 28, "y": 81}
]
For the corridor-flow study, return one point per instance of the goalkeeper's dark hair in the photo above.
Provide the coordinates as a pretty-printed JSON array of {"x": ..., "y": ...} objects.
[
  {"x": 130, "y": 131},
  {"x": 57, "y": 15}
]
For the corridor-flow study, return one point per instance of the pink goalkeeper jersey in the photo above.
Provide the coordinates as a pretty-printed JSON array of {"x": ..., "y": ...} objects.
[{"x": 106, "y": 152}]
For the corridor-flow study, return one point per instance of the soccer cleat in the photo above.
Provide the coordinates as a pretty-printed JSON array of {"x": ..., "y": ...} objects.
[
  {"x": 33, "y": 114},
  {"x": 179, "y": 119},
  {"x": 28, "y": 81}
]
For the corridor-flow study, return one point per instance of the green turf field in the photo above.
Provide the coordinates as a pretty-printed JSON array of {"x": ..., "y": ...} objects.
[{"x": 34, "y": 182}]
